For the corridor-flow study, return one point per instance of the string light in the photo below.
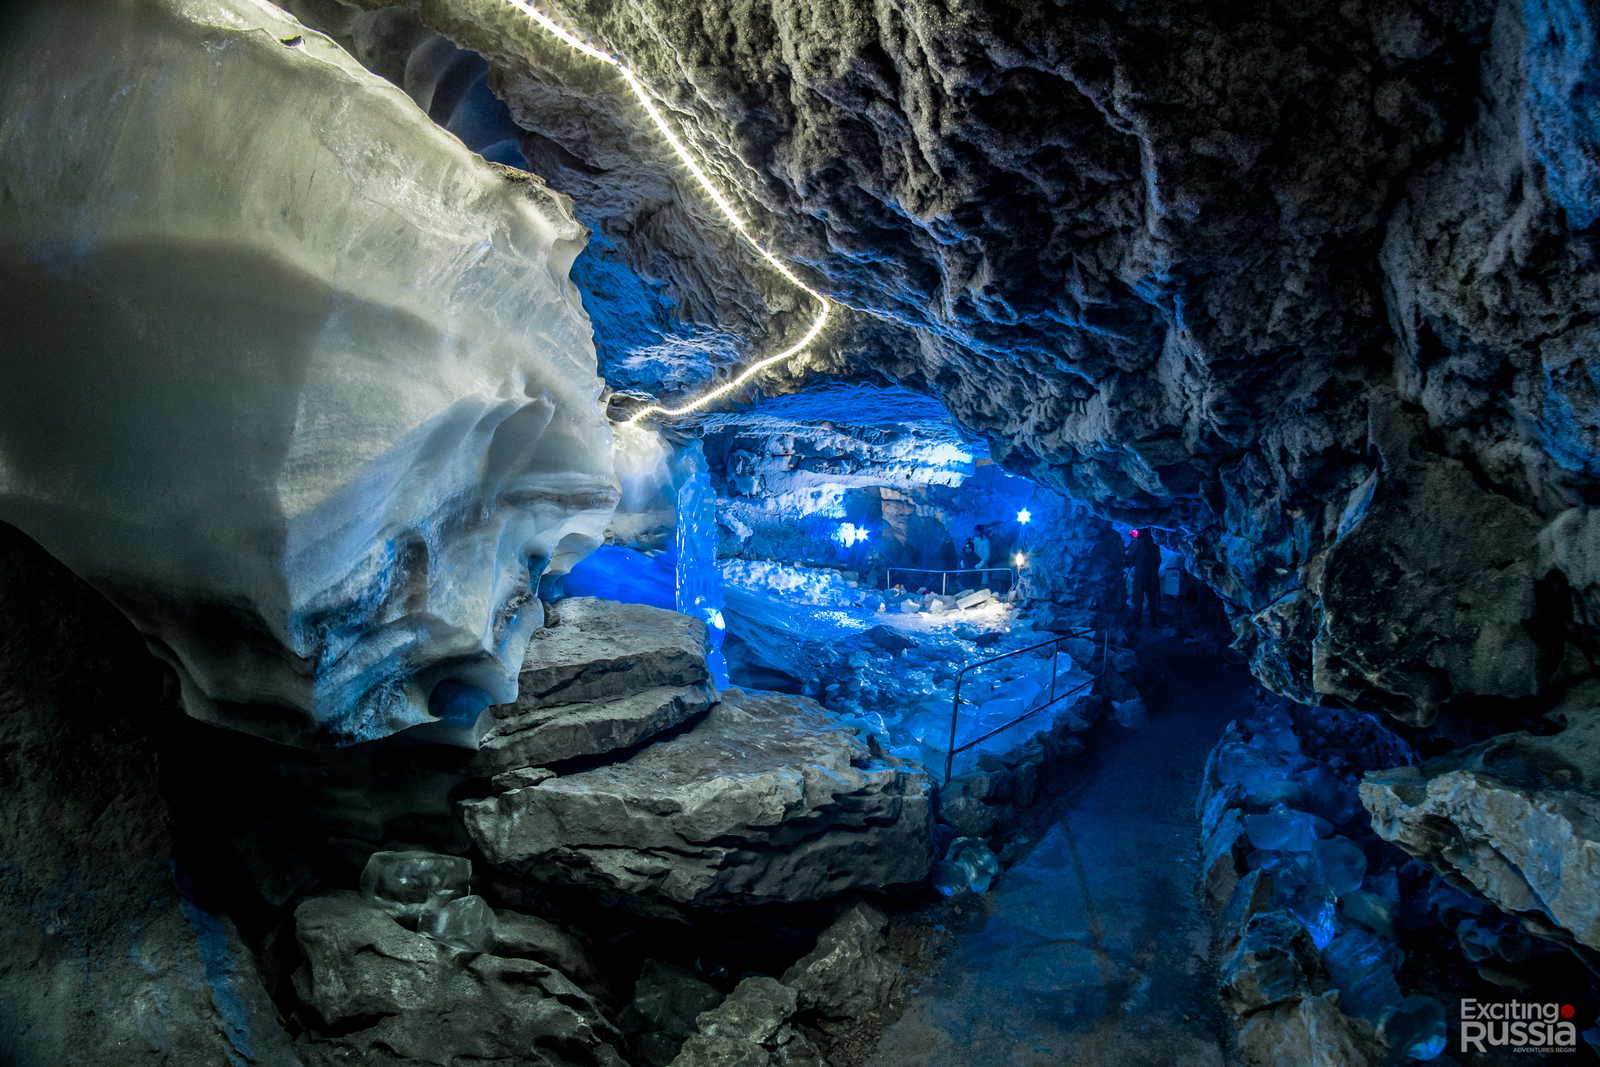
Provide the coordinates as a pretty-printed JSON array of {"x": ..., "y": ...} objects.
[{"x": 694, "y": 168}]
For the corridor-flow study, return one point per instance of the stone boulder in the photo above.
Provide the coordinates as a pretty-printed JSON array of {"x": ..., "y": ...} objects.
[
  {"x": 1310, "y": 1033},
  {"x": 846, "y": 977},
  {"x": 1517, "y": 816},
  {"x": 751, "y": 1029},
  {"x": 1276, "y": 961},
  {"x": 549, "y": 735},
  {"x": 592, "y": 649},
  {"x": 386, "y": 994},
  {"x": 766, "y": 799}
]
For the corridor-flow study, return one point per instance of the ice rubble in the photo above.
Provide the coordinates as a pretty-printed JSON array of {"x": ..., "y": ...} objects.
[
  {"x": 905, "y": 699},
  {"x": 304, "y": 389}
]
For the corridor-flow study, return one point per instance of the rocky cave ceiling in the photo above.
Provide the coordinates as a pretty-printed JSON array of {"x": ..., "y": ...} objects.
[{"x": 1313, "y": 283}]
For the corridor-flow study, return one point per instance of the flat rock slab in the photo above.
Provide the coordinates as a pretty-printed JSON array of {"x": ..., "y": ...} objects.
[
  {"x": 541, "y": 736},
  {"x": 766, "y": 799},
  {"x": 1516, "y": 815},
  {"x": 600, "y": 650}
]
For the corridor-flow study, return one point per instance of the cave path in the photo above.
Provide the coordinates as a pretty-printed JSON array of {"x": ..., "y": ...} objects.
[{"x": 1092, "y": 947}]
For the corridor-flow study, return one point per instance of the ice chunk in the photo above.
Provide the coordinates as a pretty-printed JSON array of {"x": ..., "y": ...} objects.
[
  {"x": 318, "y": 438},
  {"x": 1282, "y": 829},
  {"x": 1415, "y": 1028},
  {"x": 972, "y": 600},
  {"x": 973, "y": 856},
  {"x": 404, "y": 884},
  {"x": 951, "y": 879},
  {"x": 699, "y": 578},
  {"x": 466, "y": 923},
  {"x": 1328, "y": 796},
  {"x": 1241, "y": 764},
  {"x": 1340, "y": 863},
  {"x": 1371, "y": 910},
  {"x": 1313, "y": 904},
  {"x": 1362, "y": 966},
  {"x": 1130, "y": 713}
]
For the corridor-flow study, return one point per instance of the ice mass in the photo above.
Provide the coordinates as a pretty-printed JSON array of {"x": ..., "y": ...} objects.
[{"x": 862, "y": 535}]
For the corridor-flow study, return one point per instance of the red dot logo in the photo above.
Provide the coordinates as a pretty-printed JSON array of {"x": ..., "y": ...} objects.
[{"x": 1566, "y": 1011}]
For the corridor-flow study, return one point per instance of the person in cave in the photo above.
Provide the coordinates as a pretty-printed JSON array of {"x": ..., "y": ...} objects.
[
  {"x": 980, "y": 554},
  {"x": 1144, "y": 560}
]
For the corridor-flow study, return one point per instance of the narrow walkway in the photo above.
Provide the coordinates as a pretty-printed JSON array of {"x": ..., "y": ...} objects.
[{"x": 1091, "y": 948}]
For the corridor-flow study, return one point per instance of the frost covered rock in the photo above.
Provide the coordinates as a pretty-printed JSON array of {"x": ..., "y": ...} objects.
[
  {"x": 765, "y": 799},
  {"x": 290, "y": 376},
  {"x": 382, "y": 990},
  {"x": 1515, "y": 815}
]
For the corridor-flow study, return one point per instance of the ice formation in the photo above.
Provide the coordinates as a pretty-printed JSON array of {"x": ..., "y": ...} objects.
[{"x": 291, "y": 376}]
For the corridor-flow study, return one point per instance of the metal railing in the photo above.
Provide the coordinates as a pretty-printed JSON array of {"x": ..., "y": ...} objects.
[
  {"x": 1055, "y": 659},
  {"x": 944, "y": 576}
]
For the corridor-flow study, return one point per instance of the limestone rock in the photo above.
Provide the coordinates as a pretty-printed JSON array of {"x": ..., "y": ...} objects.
[
  {"x": 1516, "y": 816},
  {"x": 595, "y": 650},
  {"x": 389, "y": 995},
  {"x": 765, "y": 799},
  {"x": 552, "y": 734},
  {"x": 527, "y": 937},
  {"x": 846, "y": 977},
  {"x": 1310, "y": 1033},
  {"x": 1276, "y": 961},
  {"x": 323, "y": 436},
  {"x": 750, "y": 1029}
]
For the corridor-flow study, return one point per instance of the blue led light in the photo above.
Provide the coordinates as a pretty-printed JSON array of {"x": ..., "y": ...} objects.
[{"x": 1023, "y": 516}]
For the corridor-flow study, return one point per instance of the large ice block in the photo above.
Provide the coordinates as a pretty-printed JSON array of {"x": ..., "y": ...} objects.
[{"x": 287, "y": 373}]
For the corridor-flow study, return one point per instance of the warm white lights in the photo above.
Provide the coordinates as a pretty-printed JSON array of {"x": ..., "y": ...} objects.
[
  {"x": 717, "y": 198},
  {"x": 1021, "y": 559}
]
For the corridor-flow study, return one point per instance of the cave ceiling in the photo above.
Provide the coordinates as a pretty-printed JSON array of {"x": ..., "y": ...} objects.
[{"x": 1312, "y": 283}]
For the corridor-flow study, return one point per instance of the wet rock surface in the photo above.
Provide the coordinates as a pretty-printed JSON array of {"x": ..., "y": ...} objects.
[{"x": 765, "y": 799}]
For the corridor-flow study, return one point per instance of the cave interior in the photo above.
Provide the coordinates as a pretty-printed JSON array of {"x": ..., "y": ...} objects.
[{"x": 642, "y": 534}]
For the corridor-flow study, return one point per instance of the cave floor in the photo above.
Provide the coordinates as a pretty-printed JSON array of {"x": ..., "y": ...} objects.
[{"x": 1091, "y": 947}]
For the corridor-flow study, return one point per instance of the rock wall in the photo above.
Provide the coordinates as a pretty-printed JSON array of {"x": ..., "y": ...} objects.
[
  {"x": 107, "y": 956},
  {"x": 1310, "y": 282}
]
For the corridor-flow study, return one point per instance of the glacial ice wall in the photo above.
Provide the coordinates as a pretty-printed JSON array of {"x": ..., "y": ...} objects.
[{"x": 286, "y": 372}]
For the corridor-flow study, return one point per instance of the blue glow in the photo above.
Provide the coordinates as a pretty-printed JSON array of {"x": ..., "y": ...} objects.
[
  {"x": 1023, "y": 516},
  {"x": 851, "y": 534}
]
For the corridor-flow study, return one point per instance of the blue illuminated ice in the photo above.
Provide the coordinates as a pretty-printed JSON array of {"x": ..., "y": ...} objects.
[
  {"x": 1282, "y": 829},
  {"x": 1362, "y": 966},
  {"x": 968, "y": 867},
  {"x": 1415, "y": 1028},
  {"x": 699, "y": 577}
]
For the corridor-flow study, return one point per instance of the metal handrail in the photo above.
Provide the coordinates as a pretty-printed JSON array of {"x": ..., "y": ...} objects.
[
  {"x": 1012, "y": 575},
  {"x": 955, "y": 703}
]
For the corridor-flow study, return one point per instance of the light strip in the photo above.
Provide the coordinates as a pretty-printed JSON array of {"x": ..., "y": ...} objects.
[{"x": 717, "y": 198}]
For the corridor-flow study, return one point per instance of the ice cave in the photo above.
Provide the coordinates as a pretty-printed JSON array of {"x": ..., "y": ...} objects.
[{"x": 677, "y": 533}]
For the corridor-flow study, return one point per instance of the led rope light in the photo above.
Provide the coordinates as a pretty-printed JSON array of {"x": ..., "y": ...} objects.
[{"x": 694, "y": 168}]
